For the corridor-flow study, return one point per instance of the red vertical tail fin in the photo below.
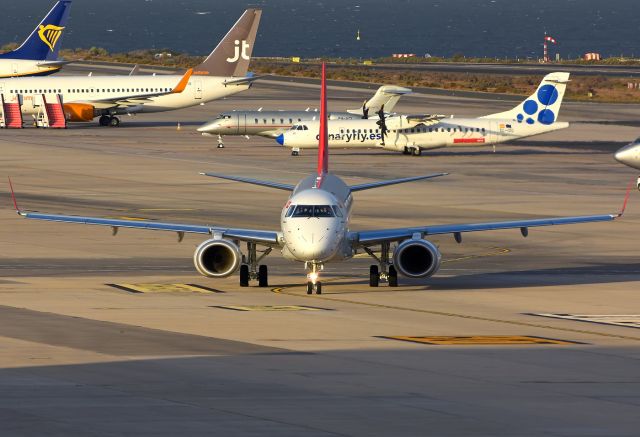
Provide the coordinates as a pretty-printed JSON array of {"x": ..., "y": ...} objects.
[{"x": 323, "y": 142}]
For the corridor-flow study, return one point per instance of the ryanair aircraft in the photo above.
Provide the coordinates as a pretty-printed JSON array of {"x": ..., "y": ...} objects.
[
  {"x": 38, "y": 55},
  {"x": 223, "y": 73}
]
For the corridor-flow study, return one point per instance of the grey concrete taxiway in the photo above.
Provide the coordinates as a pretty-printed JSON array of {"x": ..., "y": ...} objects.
[{"x": 80, "y": 356}]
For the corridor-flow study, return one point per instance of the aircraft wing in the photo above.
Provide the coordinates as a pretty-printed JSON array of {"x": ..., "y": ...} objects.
[
  {"x": 138, "y": 99},
  {"x": 268, "y": 238},
  {"x": 251, "y": 235},
  {"x": 386, "y": 97},
  {"x": 366, "y": 238},
  {"x": 427, "y": 119}
]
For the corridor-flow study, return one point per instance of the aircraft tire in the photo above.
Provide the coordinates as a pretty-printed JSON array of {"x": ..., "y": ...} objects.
[
  {"x": 309, "y": 287},
  {"x": 105, "y": 120},
  {"x": 393, "y": 277},
  {"x": 114, "y": 122},
  {"x": 416, "y": 152},
  {"x": 318, "y": 287},
  {"x": 244, "y": 275},
  {"x": 374, "y": 276},
  {"x": 263, "y": 276}
]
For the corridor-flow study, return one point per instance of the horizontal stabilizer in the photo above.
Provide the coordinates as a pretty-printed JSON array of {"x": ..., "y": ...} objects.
[
  {"x": 369, "y": 186},
  {"x": 276, "y": 185}
]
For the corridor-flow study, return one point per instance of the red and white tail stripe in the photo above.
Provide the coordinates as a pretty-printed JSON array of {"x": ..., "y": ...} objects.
[{"x": 323, "y": 142}]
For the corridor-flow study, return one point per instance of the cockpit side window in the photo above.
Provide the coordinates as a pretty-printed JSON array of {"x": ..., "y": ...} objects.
[
  {"x": 336, "y": 210},
  {"x": 290, "y": 211}
]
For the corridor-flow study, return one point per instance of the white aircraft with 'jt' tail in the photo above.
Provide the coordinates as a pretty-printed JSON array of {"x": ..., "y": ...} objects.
[
  {"x": 314, "y": 229},
  {"x": 411, "y": 134},
  {"x": 223, "y": 73}
]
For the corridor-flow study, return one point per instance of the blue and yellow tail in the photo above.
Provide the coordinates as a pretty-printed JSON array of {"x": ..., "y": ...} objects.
[{"x": 44, "y": 42}]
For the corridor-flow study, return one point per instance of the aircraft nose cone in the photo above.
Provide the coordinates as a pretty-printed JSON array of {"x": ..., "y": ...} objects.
[
  {"x": 629, "y": 155},
  {"x": 207, "y": 127},
  {"x": 280, "y": 139}
]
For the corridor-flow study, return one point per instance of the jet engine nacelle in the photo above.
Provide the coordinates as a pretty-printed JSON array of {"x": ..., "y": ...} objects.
[
  {"x": 417, "y": 258},
  {"x": 217, "y": 258},
  {"x": 78, "y": 112}
]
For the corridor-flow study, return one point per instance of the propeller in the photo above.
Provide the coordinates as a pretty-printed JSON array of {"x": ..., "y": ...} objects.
[
  {"x": 365, "y": 111},
  {"x": 382, "y": 123}
]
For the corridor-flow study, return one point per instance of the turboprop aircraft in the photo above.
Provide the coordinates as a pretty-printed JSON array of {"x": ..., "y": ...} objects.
[
  {"x": 223, "y": 73},
  {"x": 630, "y": 155},
  {"x": 314, "y": 229},
  {"x": 270, "y": 124},
  {"x": 38, "y": 54},
  {"x": 411, "y": 134}
]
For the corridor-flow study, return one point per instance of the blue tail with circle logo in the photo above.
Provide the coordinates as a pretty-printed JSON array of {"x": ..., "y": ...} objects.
[
  {"x": 543, "y": 106},
  {"x": 44, "y": 42}
]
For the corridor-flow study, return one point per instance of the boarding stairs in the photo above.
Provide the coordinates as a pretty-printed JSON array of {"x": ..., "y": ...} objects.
[
  {"x": 51, "y": 114},
  {"x": 10, "y": 111}
]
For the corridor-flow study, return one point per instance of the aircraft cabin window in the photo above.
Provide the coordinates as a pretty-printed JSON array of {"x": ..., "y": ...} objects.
[
  {"x": 448, "y": 129},
  {"x": 290, "y": 120},
  {"x": 264, "y": 120},
  {"x": 273, "y": 120},
  {"x": 256, "y": 121},
  {"x": 282, "y": 121},
  {"x": 299, "y": 119}
]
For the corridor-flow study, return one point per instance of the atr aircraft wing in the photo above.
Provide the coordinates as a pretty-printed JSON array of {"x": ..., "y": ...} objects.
[
  {"x": 269, "y": 238},
  {"x": 427, "y": 119},
  {"x": 138, "y": 99}
]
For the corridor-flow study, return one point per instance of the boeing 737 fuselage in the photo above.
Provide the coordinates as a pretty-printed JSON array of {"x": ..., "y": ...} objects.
[{"x": 84, "y": 98}]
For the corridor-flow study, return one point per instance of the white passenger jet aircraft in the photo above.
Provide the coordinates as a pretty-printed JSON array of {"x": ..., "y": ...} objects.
[
  {"x": 314, "y": 229},
  {"x": 630, "y": 155},
  {"x": 222, "y": 74},
  {"x": 411, "y": 134},
  {"x": 270, "y": 124},
  {"x": 38, "y": 54}
]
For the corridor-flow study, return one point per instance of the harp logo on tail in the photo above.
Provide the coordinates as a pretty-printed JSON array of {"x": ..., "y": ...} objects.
[
  {"x": 50, "y": 34},
  {"x": 240, "y": 53}
]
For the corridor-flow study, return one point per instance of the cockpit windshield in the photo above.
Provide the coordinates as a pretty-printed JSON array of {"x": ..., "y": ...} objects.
[
  {"x": 637, "y": 141},
  {"x": 299, "y": 127},
  {"x": 307, "y": 211},
  {"x": 223, "y": 116}
]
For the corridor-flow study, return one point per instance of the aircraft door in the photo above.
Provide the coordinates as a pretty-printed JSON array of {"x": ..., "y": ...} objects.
[
  {"x": 241, "y": 124},
  {"x": 493, "y": 133},
  {"x": 198, "y": 89}
]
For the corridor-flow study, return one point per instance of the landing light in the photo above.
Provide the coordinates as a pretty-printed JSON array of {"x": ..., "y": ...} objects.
[{"x": 313, "y": 277}]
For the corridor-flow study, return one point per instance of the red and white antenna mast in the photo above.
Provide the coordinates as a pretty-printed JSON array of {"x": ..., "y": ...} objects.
[{"x": 547, "y": 39}]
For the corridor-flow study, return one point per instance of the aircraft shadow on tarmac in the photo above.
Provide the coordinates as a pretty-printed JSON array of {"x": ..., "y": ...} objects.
[{"x": 515, "y": 149}]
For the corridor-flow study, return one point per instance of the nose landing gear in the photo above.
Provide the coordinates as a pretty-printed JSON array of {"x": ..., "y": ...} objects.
[
  {"x": 220, "y": 142},
  {"x": 313, "y": 285},
  {"x": 638, "y": 183}
]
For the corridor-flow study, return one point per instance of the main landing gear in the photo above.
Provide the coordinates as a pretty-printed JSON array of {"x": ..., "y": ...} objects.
[
  {"x": 384, "y": 270},
  {"x": 313, "y": 285},
  {"x": 415, "y": 151},
  {"x": 638, "y": 183},
  {"x": 107, "y": 120},
  {"x": 251, "y": 267},
  {"x": 220, "y": 142},
  {"x": 295, "y": 152}
]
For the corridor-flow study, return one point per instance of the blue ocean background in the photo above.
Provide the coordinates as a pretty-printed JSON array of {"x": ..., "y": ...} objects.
[{"x": 311, "y": 28}]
